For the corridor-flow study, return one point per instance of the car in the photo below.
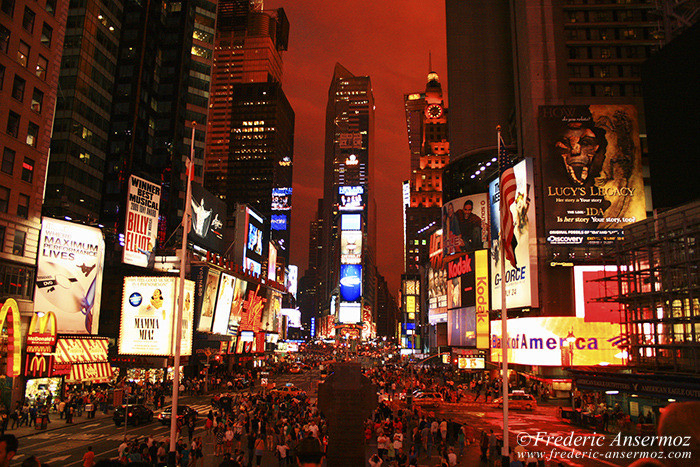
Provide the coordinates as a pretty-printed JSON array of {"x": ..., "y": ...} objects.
[
  {"x": 295, "y": 369},
  {"x": 287, "y": 389},
  {"x": 306, "y": 367},
  {"x": 518, "y": 400},
  {"x": 427, "y": 399},
  {"x": 136, "y": 414},
  {"x": 182, "y": 411}
]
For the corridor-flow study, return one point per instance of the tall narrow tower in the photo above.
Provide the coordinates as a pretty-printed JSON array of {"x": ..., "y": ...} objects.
[{"x": 349, "y": 240}]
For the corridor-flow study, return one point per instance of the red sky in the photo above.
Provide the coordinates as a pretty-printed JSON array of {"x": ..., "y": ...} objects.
[{"x": 390, "y": 42}]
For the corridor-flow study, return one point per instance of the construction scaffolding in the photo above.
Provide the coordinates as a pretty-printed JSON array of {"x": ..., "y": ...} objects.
[{"x": 658, "y": 279}]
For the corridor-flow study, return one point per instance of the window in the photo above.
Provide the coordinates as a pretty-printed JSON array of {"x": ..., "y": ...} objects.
[
  {"x": 42, "y": 64},
  {"x": 13, "y": 124},
  {"x": 4, "y": 38},
  {"x": 23, "y": 53},
  {"x": 28, "y": 170},
  {"x": 28, "y": 20},
  {"x": 23, "y": 207},
  {"x": 18, "y": 88},
  {"x": 32, "y": 134},
  {"x": 8, "y": 7},
  {"x": 8, "y": 162},
  {"x": 18, "y": 244},
  {"x": 37, "y": 100},
  {"x": 51, "y": 7},
  {"x": 17, "y": 281},
  {"x": 4, "y": 198},
  {"x": 2, "y": 75},
  {"x": 2, "y": 238},
  {"x": 46, "y": 32}
]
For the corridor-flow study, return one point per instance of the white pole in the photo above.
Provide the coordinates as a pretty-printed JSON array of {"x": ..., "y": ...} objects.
[
  {"x": 504, "y": 318},
  {"x": 180, "y": 301}
]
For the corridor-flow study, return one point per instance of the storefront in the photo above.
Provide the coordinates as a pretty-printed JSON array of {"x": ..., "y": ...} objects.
[
  {"x": 44, "y": 378},
  {"x": 87, "y": 357}
]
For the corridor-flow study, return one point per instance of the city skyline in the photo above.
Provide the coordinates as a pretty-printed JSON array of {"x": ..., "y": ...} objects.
[{"x": 395, "y": 55}]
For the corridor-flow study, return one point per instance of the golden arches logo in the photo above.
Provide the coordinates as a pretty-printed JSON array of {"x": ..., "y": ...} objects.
[
  {"x": 37, "y": 367},
  {"x": 43, "y": 323},
  {"x": 9, "y": 313}
]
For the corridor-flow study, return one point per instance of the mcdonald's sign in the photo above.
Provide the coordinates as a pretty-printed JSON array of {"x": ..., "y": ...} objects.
[
  {"x": 41, "y": 337},
  {"x": 9, "y": 314},
  {"x": 37, "y": 366}
]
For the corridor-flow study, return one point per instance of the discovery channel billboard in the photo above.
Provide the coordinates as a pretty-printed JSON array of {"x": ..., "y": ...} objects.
[
  {"x": 592, "y": 184},
  {"x": 521, "y": 279}
]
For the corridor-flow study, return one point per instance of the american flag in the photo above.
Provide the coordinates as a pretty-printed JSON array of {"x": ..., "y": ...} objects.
[{"x": 508, "y": 187}]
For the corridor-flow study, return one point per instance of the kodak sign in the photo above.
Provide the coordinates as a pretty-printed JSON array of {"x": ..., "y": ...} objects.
[
  {"x": 459, "y": 267},
  {"x": 9, "y": 315},
  {"x": 41, "y": 337}
]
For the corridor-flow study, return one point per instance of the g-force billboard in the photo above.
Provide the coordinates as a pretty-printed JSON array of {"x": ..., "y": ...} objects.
[{"x": 521, "y": 280}]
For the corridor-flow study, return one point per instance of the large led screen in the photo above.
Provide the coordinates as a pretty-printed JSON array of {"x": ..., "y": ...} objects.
[
  {"x": 351, "y": 247},
  {"x": 465, "y": 223},
  {"x": 461, "y": 327},
  {"x": 69, "y": 275},
  {"x": 521, "y": 279},
  {"x": 592, "y": 179},
  {"x": 559, "y": 341},
  {"x": 239, "y": 294},
  {"x": 223, "y": 304},
  {"x": 141, "y": 228},
  {"x": 149, "y": 308},
  {"x": 281, "y": 199},
  {"x": 350, "y": 282},
  {"x": 350, "y": 313},
  {"x": 351, "y": 198}
]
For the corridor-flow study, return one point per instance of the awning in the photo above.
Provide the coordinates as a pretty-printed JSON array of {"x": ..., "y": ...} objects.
[{"x": 94, "y": 372}]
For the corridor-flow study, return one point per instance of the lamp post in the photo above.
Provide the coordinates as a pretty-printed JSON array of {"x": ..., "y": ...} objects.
[{"x": 172, "y": 455}]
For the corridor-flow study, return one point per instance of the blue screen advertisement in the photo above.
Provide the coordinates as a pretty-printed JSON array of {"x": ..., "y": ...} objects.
[
  {"x": 350, "y": 282},
  {"x": 279, "y": 222}
]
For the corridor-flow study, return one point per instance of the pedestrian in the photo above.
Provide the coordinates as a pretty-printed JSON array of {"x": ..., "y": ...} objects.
[
  {"x": 89, "y": 458},
  {"x": 259, "y": 449},
  {"x": 484, "y": 445},
  {"x": 62, "y": 409},
  {"x": 282, "y": 453},
  {"x": 8, "y": 449},
  {"x": 375, "y": 460}
]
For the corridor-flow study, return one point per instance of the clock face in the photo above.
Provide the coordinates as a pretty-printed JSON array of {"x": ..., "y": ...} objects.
[{"x": 434, "y": 111}]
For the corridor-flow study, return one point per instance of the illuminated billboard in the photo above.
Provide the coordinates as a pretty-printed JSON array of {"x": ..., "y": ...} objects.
[
  {"x": 350, "y": 140},
  {"x": 351, "y": 247},
  {"x": 591, "y": 160},
  {"x": 208, "y": 215},
  {"x": 210, "y": 284},
  {"x": 461, "y": 327},
  {"x": 271, "y": 311},
  {"x": 465, "y": 224},
  {"x": 281, "y": 199},
  {"x": 254, "y": 239},
  {"x": 521, "y": 280},
  {"x": 350, "y": 282},
  {"x": 149, "y": 308},
  {"x": 253, "y": 307},
  {"x": 279, "y": 222},
  {"x": 350, "y": 221},
  {"x": 271, "y": 262},
  {"x": 559, "y": 341},
  {"x": 351, "y": 198},
  {"x": 465, "y": 274},
  {"x": 240, "y": 289},
  {"x": 292, "y": 280},
  {"x": 223, "y": 304},
  {"x": 589, "y": 288},
  {"x": 141, "y": 227},
  {"x": 350, "y": 313},
  {"x": 69, "y": 275},
  {"x": 437, "y": 281}
]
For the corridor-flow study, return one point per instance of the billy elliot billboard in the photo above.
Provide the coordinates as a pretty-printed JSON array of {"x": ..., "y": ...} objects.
[
  {"x": 591, "y": 171},
  {"x": 521, "y": 279},
  {"x": 141, "y": 228}
]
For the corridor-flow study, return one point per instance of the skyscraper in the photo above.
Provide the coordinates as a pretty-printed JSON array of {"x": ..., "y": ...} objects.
[
  {"x": 426, "y": 122},
  {"x": 81, "y": 128},
  {"x": 250, "y": 133},
  {"x": 31, "y": 41},
  {"x": 348, "y": 189}
]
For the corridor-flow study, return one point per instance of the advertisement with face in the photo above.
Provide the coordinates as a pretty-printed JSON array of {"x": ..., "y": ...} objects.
[
  {"x": 558, "y": 341},
  {"x": 239, "y": 293},
  {"x": 210, "y": 282},
  {"x": 437, "y": 295},
  {"x": 141, "y": 228},
  {"x": 521, "y": 280},
  {"x": 461, "y": 327},
  {"x": 465, "y": 224},
  {"x": 208, "y": 215},
  {"x": 69, "y": 275},
  {"x": 223, "y": 304},
  {"x": 292, "y": 280},
  {"x": 149, "y": 308},
  {"x": 271, "y": 311},
  {"x": 281, "y": 199},
  {"x": 591, "y": 160},
  {"x": 351, "y": 247}
]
